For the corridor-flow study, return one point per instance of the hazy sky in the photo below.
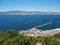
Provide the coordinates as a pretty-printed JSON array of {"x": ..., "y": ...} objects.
[{"x": 29, "y": 5}]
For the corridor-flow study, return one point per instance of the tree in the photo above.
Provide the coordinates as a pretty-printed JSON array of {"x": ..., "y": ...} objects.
[
  {"x": 1, "y": 40},
  {"x": 12, "y": 33},
  {"x": 57, "y": 35}
]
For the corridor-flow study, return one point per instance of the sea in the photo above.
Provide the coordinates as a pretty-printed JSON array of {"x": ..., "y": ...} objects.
[{"x": 25, "y": 22}]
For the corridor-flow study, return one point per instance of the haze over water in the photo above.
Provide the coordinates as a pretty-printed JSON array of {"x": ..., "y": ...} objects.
[{"x": 22, "y": 22}]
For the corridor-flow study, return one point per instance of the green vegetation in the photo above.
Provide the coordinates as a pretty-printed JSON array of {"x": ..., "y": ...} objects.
[{"x": 11, "y": 37}]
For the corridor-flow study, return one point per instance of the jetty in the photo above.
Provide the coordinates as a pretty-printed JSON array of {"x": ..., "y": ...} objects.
[{"x": 37, "y": 32}]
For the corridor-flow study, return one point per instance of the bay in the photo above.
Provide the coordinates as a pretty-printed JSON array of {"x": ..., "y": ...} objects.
[{"x": 23, "y": 22}]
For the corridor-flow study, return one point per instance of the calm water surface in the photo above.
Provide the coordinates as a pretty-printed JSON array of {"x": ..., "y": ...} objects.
[{"x": 23, "y": 22}]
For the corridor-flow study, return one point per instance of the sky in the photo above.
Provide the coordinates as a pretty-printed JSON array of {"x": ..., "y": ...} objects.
[{"x": 30, "y": 5}]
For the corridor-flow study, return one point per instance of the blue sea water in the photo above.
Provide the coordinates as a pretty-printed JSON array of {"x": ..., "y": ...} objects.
[{"x": 23, "y": 22}]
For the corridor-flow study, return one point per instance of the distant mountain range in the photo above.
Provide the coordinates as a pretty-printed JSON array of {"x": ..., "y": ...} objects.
[{"x": 28, "y": 12}]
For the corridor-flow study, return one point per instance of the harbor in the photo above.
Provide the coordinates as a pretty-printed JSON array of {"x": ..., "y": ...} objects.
[{"x": 37, "y": 32}]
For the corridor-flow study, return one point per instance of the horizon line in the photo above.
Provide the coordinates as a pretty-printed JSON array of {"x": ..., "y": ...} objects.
[{"x": 29, "y": 10}]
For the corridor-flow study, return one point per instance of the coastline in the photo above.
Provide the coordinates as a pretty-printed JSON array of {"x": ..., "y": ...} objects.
[
  {"x": 29, "y": 12},
  {"x": 36, "y": 32}
]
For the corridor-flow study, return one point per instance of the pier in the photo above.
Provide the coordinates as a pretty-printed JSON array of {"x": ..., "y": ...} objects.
[{"x": 42, "y": 25}]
